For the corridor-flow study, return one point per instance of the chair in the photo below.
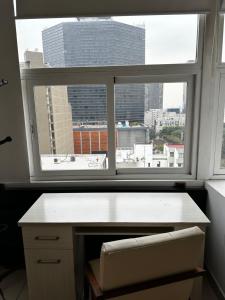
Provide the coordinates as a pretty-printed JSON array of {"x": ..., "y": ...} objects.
[{"x": 157, "y": 267}]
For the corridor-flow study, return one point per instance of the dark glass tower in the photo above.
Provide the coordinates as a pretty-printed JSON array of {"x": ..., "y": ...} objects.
[
  {"x": 98, "y": 43},
  {"x": 154, "y": 96}
]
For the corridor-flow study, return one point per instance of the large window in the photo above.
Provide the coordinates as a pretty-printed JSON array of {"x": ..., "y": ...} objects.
[
  {"x": 219, "y": 141},
  {"x": 112, "y": 96},
  {"x": 134, "y": 40}
]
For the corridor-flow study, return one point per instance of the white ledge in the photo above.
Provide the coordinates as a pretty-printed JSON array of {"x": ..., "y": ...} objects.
[{"x": 217, "y": 185}]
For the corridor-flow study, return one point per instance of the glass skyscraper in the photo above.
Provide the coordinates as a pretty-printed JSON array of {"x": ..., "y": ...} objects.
[{"x": 98, "y": 43}]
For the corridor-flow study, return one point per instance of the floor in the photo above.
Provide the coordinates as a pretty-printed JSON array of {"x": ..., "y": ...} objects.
[{"x": 14, "y": 287}]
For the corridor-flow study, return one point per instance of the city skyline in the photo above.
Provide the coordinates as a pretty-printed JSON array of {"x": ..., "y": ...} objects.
[
  {"x": 172, "y": 94},
  {"x": 100, "y": 43}
]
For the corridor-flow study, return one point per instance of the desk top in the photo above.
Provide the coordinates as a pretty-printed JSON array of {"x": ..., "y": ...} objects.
[{"x": 115, "y": 209}]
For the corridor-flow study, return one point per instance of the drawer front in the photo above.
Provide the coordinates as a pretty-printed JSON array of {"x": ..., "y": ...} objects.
[
  {"x": 48, "y": 237},
  {"x": 50, "y": 274}
]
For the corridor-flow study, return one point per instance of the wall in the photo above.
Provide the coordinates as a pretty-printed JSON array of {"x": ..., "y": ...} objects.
[
  {"x": 88, "y": 141},
  {"x": 13, "y": 156},
  {"x": 215, "y": 243}
]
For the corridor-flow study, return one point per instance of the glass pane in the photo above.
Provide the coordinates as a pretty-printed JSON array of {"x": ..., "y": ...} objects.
[
  {"x": 223, "y": 51},
  {"x": 72, "y": 127},
  {"x": 136, "y": 40},
  {"x": 150, "y": 125},
  {"x": 222, "y": 164}
]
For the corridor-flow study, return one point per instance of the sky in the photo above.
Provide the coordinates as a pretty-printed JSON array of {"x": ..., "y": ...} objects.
[{"x": 169, "y": 39}]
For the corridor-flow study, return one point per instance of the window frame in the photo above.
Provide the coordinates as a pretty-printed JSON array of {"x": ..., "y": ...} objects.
[
  {"x": 102, "y": 75},
  {"x": 219, "y": 126},
  {"x": 218, "y": 172},
  {"x": 187, "y": 144}
]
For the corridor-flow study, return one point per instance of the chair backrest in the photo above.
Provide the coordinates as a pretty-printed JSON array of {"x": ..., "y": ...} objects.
[{"x": 134, "y": 260}]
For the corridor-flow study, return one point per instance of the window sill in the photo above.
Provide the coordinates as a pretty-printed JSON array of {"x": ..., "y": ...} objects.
[
  {"x": 217, "y": 186},
  {"x": 113, "y": 184}
]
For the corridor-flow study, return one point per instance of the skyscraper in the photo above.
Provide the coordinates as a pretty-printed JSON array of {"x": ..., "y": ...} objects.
[
  {"x": 154, "y": 96},
  {"x": 98, "y": 43}
]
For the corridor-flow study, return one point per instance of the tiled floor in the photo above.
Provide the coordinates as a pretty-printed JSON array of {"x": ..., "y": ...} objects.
[{"x": 14, "y": 287}]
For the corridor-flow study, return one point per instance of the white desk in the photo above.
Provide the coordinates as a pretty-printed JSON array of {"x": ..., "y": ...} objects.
[{"x": 49, "y": 228}]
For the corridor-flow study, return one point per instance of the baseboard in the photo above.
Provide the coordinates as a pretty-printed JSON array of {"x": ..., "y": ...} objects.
[{"x": 215, "y": 285}]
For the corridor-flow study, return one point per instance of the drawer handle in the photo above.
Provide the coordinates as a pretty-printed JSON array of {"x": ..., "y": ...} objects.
[
  {"x": 46, "y": 238},
  {"x": 48, "y": 261}
]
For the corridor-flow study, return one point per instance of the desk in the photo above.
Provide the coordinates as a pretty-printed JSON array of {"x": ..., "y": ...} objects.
[{"x": 51, "y": 225}]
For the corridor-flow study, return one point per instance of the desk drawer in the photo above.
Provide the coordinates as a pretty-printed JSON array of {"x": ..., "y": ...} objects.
[
  {"x": 50, "y": 274},
  {"x": 48, "y": 237}
]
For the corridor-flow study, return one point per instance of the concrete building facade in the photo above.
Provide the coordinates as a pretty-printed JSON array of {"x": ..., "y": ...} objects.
[
  {"x": 53, "y": 113},
  {"x": 89, "y": 140}
]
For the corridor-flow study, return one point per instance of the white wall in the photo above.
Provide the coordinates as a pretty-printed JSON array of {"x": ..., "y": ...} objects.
[
  {"x": 13, "y": 156},
  {"x": 215, "y": 242}
]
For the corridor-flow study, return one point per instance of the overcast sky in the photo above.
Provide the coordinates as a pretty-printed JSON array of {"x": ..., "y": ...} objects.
[{"x": 169, "y": 39}]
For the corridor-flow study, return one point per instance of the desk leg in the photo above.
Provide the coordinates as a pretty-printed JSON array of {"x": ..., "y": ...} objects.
[{"x": 79, "y": 257}]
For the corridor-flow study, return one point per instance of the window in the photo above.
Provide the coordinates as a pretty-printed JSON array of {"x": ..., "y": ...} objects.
[
  {"x": 131, "y": 40},
  {"x": 223, "y": 47},
  {"x": 72, "y": 126},
  {"x": 220, "y": 130},
  {"x": 107, "y": 98},
  {"x": 219, "y": 158},
  {"x": 150, "y": 123}
]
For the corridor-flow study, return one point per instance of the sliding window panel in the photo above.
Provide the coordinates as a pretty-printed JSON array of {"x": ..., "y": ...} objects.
[
  {"x": 220, "y": 131},
  {"x": 70, "y": 127},
  {"x": 223, "y": 39},
  {"x": 153, "y": 120}
]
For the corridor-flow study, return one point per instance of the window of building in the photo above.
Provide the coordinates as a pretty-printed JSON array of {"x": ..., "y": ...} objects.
[
  {"x": 72, "y": 134},
  {"x": 112, "y": 41},
  {"x": 119, "y": 105},
  {"x": 150, "y": 122}
]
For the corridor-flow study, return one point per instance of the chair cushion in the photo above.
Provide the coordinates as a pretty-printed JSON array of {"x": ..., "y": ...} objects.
[{"x": 135, "y": 260}]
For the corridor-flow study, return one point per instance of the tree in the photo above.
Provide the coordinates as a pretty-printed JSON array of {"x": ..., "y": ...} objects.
[{"x": 172, "y": 134}]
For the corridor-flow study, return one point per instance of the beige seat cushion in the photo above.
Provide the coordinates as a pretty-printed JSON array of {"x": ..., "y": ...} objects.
[{"x": 135, "y": 260}]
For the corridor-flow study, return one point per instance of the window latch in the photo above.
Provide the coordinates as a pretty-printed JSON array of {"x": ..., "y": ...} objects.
[{"x": 32, "y": 129}]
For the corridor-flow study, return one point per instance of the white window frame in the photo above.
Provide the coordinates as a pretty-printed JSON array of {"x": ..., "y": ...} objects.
[
  {"x": 188, "y": 124},
  {"x": 218, "y": 172},
  {"x": 219, "y": 126},
  {"x": 190, "y": 73}
]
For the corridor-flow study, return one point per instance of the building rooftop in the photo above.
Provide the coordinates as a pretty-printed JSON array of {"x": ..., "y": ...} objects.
[{"x": 73, "y": 162}]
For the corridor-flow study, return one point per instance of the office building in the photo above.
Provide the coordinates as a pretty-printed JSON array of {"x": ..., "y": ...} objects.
[
  {"x": 153, "y": 96},
  {"x": 53, "y": 113},
  {"x": 91, "y": 139},
  {"x": 83, "y": 43}
]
